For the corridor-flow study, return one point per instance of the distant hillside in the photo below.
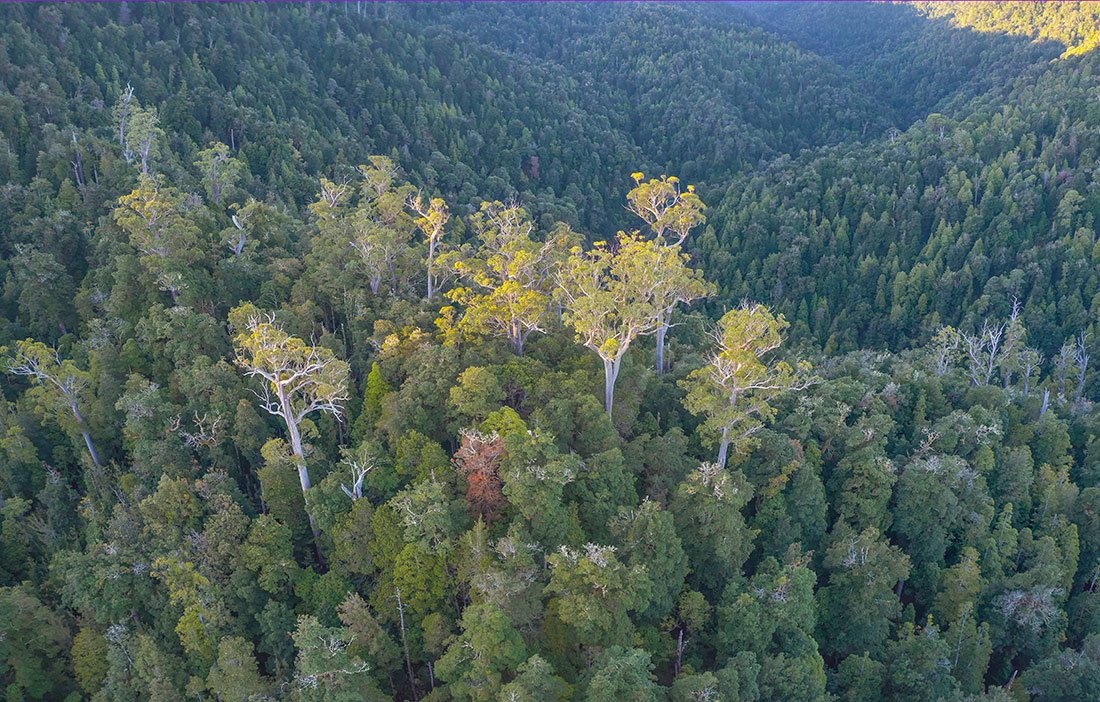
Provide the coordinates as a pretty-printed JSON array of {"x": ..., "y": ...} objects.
[
  {"x": 1076, "y": 25},
  {"x": 944, "y": 223},
  {"x": 551, "y": 105},
  {"x": 909, "y": 63},
  {"x": 699, "y": 89}
]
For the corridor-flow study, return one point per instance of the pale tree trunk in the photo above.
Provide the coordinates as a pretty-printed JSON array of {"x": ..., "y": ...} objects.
[
  {"x": 680, "y": 645},
  {"x": 1083, "y": 368},
  {"x": 723, "y": 447},
  {"x": 299, "y": 455},
  {"x": 91, "y": 449},
  {"x": 303, "y": 473},
  {"x": 662, "y": 330},
  {"x": 87, "y": 437},
  {"x": 610, "y": 375},
  {"x": 215, "y": 188},
  {"x": 431, "y": 278},
  {"x": 84, "y": 433}
]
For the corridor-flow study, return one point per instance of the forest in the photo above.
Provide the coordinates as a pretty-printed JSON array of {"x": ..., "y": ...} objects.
[{"x": 552, "y": 352}]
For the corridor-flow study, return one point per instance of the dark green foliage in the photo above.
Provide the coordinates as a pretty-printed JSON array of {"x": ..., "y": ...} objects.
[{"x": 917, "y": 518}]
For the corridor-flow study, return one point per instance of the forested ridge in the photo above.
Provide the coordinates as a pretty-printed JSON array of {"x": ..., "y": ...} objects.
[{"x": 549, "y": 352}]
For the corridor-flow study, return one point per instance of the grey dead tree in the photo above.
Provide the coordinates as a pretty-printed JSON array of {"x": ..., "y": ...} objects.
[
  {"x": 982, "y": 350},
  {"x": 78, "y": 165},
  {"x": 123, "y": 111},
  {"x": 945, "y": 350},
  {"x": 360, "y": 467},
  {"x": 138, "y": 129},
  {"x": 237, "y": 245},
  {"x": 1081, "y": 361},
  {"x": 405, "y": 643}
]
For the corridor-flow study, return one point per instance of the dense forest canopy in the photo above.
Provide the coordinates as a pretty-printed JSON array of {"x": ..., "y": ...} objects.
[
  {"x": 549, "y": 352},
  {"x": 1076, "y": 25}
]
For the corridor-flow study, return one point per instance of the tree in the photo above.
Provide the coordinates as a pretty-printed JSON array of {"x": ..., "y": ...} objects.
[
  {"x": 944, "y": 350},
  {"x": 707, "y": 508},
  {"x": 670, "y": 215},
  {"x": 433, "y": 217},
  {"x": 511, "y": 276},
  {"x": 138, "y": 129},
  {"x": 325, "y": 670},
  {"x": 89, "y": 653},
  {"x": 298, "y": 379},
  {"x": 535, "y": 476},
  {"x": 535, "y": 681},
  {"x": 670, "y": 212},
  {"x": 594, "y": 591},
  {"x": 858, "y": 606},
  {"x": 772, "y": 613},
  {"x": 373, "y": 394},
  {"x": 61, "y": 386},
  {"x": 914, "y": 667},
  {"x": 478, "y": 458},
  {"x": 369, "y": 640},
  {"x": 153, "y": 217},
  {"x": 122, "y": 112},
  {"x": 381, "y": 227},
  {"x": 648, "y": 538},
  {"x": 378, "y": 227},
  {"x": 983, "y": 349},
  {"x": 202, "y": 616},
  {"x": 234, "y": 677},
  {"x": 611, "y": 298},
  {"x": 44, "y": 291},
  {"x": 32, "y": 644},
  {"x": 733, "y": 389},
  {"x": 677, "y": 285},
  {"x": 219, "y": 170},
  {"x": 478, "y": 660},
  {"x": 1066, "y": 675},
  {"x": 622, "y": 674}
]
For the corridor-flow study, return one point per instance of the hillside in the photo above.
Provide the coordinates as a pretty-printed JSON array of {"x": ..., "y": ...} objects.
[
  {"x": 1075, "y": 25},
  {"x": 549, "y": 353},
  {"x": 910, "y": 64},
  {"x": 946, "y": 223}
]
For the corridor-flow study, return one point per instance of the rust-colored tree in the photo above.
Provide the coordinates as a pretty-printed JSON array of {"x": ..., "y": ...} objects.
[{"x": 478, "y": 458}]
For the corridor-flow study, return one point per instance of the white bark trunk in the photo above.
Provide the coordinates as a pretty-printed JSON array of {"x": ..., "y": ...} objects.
[
  {"x": 661, "y": 332},
  {"x": 723, "y": 448},
  {"x": 610, "y": 375},
  {"x": 87, "y": 437}
]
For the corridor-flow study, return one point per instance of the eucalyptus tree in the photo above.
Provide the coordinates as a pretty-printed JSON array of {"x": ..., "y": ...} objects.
[
  {"x": 671, "y": 214},
  {"x": 153, "y": 216},
  {"x": 299, "y": 379},
  {"x": 432, "y": 218},
  {"x": 61, "y": 386},
  {"x": 733, "y": 389},
  {"x": 612, "y": 296},
  {"x": 510, "y": 279}
]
